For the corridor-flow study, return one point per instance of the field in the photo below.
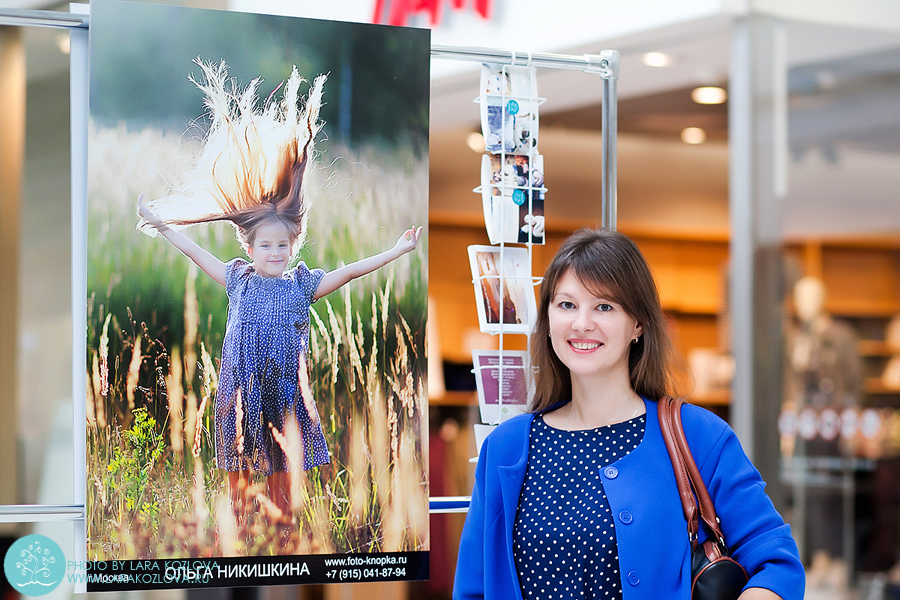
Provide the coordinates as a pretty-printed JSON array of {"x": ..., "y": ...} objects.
[{"x": 155, "y": 328}]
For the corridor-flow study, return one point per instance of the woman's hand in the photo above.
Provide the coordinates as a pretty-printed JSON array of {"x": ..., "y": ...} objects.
[
  {"x": 408, "y": 241},
  {"x": 148, "y": 215}
]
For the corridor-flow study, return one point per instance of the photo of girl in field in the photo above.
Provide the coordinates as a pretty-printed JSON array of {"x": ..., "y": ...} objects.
[{"x": 257, "y": 288}]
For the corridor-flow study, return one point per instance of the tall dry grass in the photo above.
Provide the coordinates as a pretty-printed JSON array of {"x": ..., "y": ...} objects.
[{"x": 155, "y": 328}]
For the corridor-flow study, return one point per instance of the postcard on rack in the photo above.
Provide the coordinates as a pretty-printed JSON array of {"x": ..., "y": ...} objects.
[
  {"x": 513, "y": 198},
  {"x": 509, "y": 108},
  {"x": 504, "y": 294},
  {"x": 497, "y": 401}
]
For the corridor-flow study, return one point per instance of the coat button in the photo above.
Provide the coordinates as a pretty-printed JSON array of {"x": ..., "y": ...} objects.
[
  {"x": 611, "y": 472},
  {"x": 626, "y": 517},
  {"x": 633, "y": 578}
]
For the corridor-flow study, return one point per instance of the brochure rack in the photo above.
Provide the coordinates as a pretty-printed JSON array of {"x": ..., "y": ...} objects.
[
  {"x": 511, "y": 185},
  {"x": 606, "y": 65},
  {"x": 77, "y": 22}
]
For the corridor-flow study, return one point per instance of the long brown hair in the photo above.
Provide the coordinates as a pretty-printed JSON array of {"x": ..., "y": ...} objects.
[
  {"x": 607, "y": 263},
  {"x": 252, "y": 167}
]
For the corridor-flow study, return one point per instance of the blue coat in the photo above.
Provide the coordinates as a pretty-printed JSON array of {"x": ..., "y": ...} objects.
[{"x": 651, "y": 531}]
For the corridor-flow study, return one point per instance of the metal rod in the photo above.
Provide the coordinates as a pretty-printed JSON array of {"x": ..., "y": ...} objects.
[
  {"x": 449, "y": 504},
  {"x": 605, "y": 64},
  {"x": 79, "y": 80},
  {"x": 599, "y": 63},
  {"x": 34, "y": 513},
  {"x": 44, "y": 18},
  {"x": 609, "y": 125}
]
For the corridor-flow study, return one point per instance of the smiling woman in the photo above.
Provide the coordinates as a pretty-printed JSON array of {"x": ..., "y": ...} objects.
[
  {"x": 603, "y": 268},
  {"x": 578, "y": 498}
]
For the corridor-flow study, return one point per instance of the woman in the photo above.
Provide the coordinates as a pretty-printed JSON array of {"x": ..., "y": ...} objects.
[{"x": 578, "y": 498}]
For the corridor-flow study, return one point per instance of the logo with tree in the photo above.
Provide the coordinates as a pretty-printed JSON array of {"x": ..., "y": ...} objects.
[{"x": 34, "y": 565}]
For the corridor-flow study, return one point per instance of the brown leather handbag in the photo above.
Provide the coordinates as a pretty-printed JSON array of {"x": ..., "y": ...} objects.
[{"x": 714, "y": 574}]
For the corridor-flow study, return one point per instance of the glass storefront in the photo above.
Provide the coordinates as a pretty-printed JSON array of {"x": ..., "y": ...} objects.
[{"x": 839, "y": 424}]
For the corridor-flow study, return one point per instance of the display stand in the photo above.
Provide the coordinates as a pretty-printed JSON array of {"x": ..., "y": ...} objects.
[
  {"x": 606, "y": 65},
  {"x": 77, "y": 22}
]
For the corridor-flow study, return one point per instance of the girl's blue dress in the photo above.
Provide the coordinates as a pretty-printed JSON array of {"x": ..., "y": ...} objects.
[{"x": 266, "y": 332}]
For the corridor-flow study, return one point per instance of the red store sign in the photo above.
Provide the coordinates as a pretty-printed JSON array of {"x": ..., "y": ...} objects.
[{"x": 396, "y": 12}]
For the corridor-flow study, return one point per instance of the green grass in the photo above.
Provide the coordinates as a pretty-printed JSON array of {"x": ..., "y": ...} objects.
[{"x": 155, "y": 329}]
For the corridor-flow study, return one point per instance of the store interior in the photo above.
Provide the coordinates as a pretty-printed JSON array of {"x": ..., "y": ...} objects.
[{"x": 839, "y": 224}]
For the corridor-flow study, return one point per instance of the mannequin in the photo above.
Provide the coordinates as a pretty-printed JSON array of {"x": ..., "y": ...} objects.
[
  {"x": 825, "y": 368},
  {"x": 824, "y": 373}
]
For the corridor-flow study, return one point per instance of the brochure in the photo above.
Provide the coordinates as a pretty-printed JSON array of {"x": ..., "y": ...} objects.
[
  {"x": 509, "y": 109},
  {"x": 498, "y": 403},
  {"x": 503, "y": 286},
  {"x": 513, "y": 198}
]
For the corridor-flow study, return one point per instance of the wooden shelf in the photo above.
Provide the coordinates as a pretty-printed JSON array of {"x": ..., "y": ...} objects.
[
  {"x": 876, "y": 348},
  {"x": 874, "y": 385},
  {"x": 699, "y": 307},
  {"x": 455, "y": 398},
  {"x": 712, "y": 398},
  {"x": 863, "y": 308}
]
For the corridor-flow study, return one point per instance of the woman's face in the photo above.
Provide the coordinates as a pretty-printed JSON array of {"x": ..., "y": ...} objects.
[{"x": 590, "y": 334}]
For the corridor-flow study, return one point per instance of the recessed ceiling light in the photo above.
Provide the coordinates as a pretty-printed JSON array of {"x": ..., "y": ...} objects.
[
  {"x": 709, "y": 95},
  {"x": 656, "y": 59},
  {"x": 693, "y": 135},
  {"x": 475, "y": 141}
]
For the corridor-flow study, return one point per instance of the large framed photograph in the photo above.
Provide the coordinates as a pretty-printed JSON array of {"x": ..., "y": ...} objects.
[
  {"x": 256, "y": 413},
  {"x": 504, "y": 293}
]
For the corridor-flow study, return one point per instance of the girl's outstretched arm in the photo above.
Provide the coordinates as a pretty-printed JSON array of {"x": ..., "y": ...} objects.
[
  {"x": 337, "y": 278},
  {"x": 210, "y": 265}
]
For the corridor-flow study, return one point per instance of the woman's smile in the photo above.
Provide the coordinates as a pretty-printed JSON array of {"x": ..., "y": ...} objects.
[{"x": 584, "y": 346}]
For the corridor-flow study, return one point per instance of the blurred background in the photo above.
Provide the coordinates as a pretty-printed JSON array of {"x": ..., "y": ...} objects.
[{"x": 758, "y": 170}]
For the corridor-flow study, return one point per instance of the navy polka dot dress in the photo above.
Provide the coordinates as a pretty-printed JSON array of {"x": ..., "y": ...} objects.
[
  {"x": 266, "y": 332},
  {"x": 564, "y": 540}
]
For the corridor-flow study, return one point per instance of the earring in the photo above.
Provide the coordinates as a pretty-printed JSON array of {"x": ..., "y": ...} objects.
[{"x": 636, "y": 338}]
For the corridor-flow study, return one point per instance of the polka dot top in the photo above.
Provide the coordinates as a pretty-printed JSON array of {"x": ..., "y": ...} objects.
[{"x": 564, "y": 540}]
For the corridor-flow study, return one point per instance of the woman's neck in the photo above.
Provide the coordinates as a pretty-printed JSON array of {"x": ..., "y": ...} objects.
[{"x": 598, "y": 403}]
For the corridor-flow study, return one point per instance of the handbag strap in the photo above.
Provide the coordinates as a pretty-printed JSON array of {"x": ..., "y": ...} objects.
[{"x": 695, "y": 498}]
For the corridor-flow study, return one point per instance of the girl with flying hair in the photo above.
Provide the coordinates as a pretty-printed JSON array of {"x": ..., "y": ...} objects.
[
  {"x": 252, "y": 172},
  {"x": 578, "y": 497}
]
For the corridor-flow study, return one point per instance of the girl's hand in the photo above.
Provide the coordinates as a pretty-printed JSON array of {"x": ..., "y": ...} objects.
[
  {"x": 408, "y": 241},
  {"x": 148, "y": 215},
  {"x": 342, "y": 275}
]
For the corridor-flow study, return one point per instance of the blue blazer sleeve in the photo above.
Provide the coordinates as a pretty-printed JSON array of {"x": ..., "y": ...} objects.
[
  {"x": 485, "y": 567},
  {"x": 469, "y": 582},
  {"x": 755, "y": 532}
]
